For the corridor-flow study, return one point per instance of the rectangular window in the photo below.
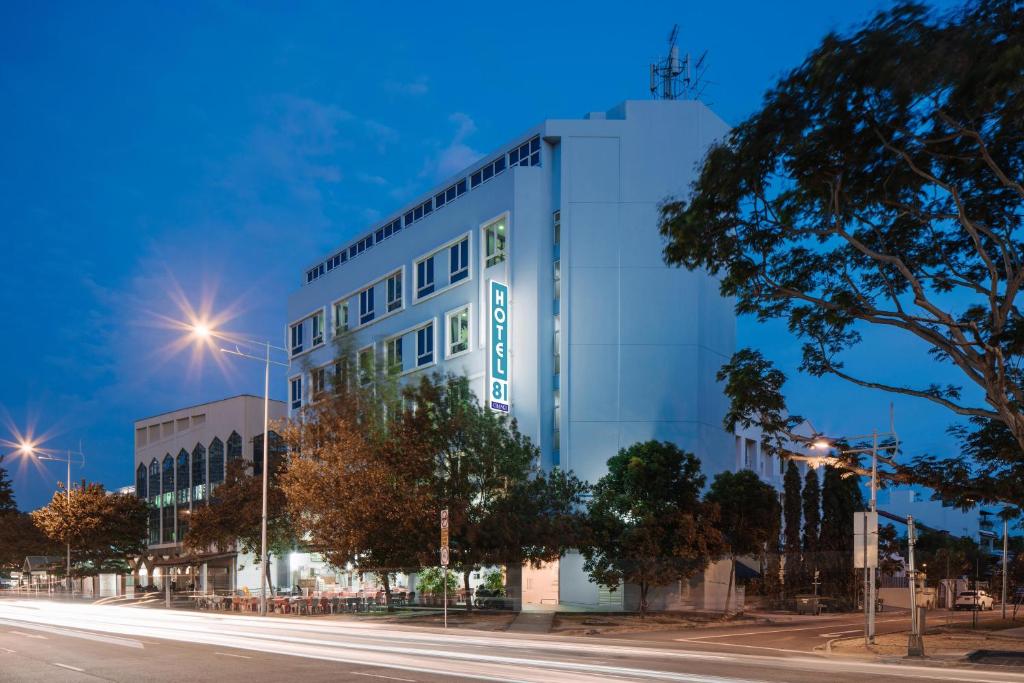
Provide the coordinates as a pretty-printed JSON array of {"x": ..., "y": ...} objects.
[
  {"x": 296, "y": 393},
  {"x": 557, "y": 228},
  {"x": 341, "y": 375},
  {"x": 394, "y": 356},
  {"x": 558, "y": 345},
  {"x": 558, "y": 280},
  {"x": 366, "y": 305},
  {"x": 395, "y": 292},
  {"x": 318, "y": 328},
  {"x": 458, "y": 261},
  {"x": 425, "y": 345},
  {"x": 557, "y": 419},
  {"x": 424, "y": 277},
  {"x": 495, "y": 241},
  {"x": 366, "y": 366},
  {"x": 340, "y": 317},
  {"x": 458, "y": 331},
  {"x": 317, "y": 381},
  {"x": 296, "y": 338}
]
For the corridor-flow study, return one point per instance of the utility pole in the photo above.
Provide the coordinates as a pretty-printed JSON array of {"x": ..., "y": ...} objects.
[
  {"x": 1005, "y": 553},
  {"x": 915, "y": 643}
]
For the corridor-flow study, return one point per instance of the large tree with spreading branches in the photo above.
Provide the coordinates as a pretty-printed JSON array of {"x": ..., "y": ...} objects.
[{"x": 879, "y": 186}]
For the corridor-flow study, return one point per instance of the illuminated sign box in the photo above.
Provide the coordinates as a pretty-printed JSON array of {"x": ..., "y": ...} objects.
[{"x": 498, "y": 381}]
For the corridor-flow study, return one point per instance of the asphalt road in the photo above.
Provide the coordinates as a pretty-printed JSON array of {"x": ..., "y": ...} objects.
[{"x": 43, "y": 641}]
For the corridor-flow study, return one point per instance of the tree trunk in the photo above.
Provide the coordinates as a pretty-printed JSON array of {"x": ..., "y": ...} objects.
[
  {"x": 732, "y": 578},
  {"x": 387, "y": 591},
  {"x": 266, "y": 570},
  {"x": 469, "y": 596}
]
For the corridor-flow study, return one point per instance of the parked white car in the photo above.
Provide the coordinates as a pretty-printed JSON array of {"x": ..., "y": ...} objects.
[{"x": 975, "y": 600}]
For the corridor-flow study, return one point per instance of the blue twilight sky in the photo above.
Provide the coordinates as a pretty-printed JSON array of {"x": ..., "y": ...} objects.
[{"x": 159, "y": 153}]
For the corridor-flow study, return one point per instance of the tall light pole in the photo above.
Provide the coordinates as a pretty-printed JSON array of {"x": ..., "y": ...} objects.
[
  {"x": 31, "y": 450},
  {"x": 826, "y": 444},
  {"x": 204, "y": 332}
]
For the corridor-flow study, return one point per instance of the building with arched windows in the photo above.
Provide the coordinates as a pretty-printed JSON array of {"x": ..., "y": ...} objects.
[{"x": 180, "y": 458}]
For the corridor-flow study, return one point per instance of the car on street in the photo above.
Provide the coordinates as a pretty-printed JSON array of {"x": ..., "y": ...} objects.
[{"x": 977, "y": 599}]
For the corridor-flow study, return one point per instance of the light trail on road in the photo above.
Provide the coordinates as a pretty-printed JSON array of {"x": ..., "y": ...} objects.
[{"x": 499, "y": 656}]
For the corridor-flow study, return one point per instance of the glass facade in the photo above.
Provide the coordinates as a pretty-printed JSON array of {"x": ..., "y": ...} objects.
[{"x": 216, "y": 461}]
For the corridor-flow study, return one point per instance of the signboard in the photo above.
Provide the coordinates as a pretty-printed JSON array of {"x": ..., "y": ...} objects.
[
  {"x": 444, "y": 556},
  {"x": 498, "y": 376},
  {"x": 865, "y": 521},
  {"x": 444, "y": 537}
]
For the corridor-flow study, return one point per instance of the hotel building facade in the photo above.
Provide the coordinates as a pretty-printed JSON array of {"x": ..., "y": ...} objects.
[{"x": 537, "y": 273}]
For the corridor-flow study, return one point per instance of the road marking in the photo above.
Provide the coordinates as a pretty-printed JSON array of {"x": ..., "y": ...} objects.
[
  {"x": 752, "y": 647},
  {"x": 840, "y": 633},
  {"x": 390, "y": 678},
  {"x": 28, "y": 635},
  {"x": 784, "y": 630},
  {"x": 228, "y": 654},
  {"x": 9, "y": 651},
  {"x": 68, "y": 666}
]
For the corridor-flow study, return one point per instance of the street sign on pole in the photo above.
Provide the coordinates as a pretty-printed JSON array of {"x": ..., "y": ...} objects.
[
  {"x": 865, "y": 540},
  {"x": 444, "y": 556}
]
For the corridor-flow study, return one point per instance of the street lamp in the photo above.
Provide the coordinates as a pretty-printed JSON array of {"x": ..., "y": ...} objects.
[
  {"x": 29, "y": 449},
  {"x": 202, "y": 331}
]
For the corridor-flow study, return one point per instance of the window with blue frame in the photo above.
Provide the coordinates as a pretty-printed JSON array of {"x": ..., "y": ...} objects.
[
  {"x": 154, "y": 480},
  {"x": 199, "y": 472},
  {"x": 296, "y": 338},
  {"x": 234, "y": 447},
  {"x": 425, "y": 345},
  {"x": 458, "y": 261},
  {"x": 395, "y": 292},
  {"x": 425, "y": 277},
  {"x": 296, "y": 393},
  {"x": 216, "y": 461},
  {"x": 183, "y": 477}
]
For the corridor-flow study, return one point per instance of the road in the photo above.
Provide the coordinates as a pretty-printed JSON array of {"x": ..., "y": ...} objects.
[
  {"x": 799, "y": 635},
  {"x": 44, "y": 641}
]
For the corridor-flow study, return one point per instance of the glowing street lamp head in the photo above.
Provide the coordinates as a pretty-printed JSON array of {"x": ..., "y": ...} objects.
[
  {"x": 26, "y": 448},
  {"x": 201, "y": 330},
  {"x": 821, "y": 444}
]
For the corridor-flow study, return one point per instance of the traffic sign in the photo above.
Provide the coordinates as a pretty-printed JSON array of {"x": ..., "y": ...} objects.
[
  {"x": 444, "y": 537},
  {"x": 444, "y": 518},
  {"x": 444, "y": 556}
]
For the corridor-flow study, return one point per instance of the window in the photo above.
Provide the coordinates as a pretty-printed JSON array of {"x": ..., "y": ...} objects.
[
  {"x": 296, "y": 338},
  {"x": 366, "y": 366},
  {"x": 168, "y": 520},
  {"x": 183, "y": 472},
  {"x": 341, "y": 375},
  {"x": 296, "y": 390},
  {"x": 216, "y": 461},
  {"x": 318, "y": 329},
  {"x": 394, "y": 356},
  {"x": 458, "y": 331},
  {"x": 234, "y": 447},
  {"x": 366, "y": 305},
  {"x": 140, "y": 481},
  {"x": 340, "y": 317},
  {"x": 154, "y": 479},
  {"x": 557, "y": 218},
  {"x": 425, "y": 277},
  {"x": 168, "y": 473},
  {"x": 275, "y": 453},
  {"x": 425, "y": 345},
  {"x": 317, "y": 381},
  {"x": 527, "y": 154},
  {"x": 199, "y": 472},
  {"x": 558, "y": 345},
  {"x": 494, "y": 241},
  {"x": 558, "y": 280},
  {"x": 556, "y": 435},
  {"x": 395, "y": 292},
  {"x": 458, "y": 260}
]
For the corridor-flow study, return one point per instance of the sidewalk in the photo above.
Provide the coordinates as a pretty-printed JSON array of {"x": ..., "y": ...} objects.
[{"x": 948, "y": 644}]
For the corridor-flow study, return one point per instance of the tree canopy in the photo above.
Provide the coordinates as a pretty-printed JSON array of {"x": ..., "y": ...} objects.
[
  {"x": 648, "y": 524},
  {"x": 879, "y": 186}
]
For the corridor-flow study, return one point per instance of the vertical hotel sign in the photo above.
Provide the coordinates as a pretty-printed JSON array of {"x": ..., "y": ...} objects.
[{"x": 497, "y": 377}]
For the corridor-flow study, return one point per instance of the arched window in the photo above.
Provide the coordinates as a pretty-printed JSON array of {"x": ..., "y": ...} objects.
[
  {"x": 183, "y": 473},
  {"x": 168, "y": 474},
  {"x": 154, "y": 480},
  {"x": 234, "y": 447},
  {"x": 199, "y": 472},
  {"x": 216, "y": 461},
  {"x": 167, "y": 501},
  {"x": 275, "y": 453},
  {"x": 140, "y": 481}
]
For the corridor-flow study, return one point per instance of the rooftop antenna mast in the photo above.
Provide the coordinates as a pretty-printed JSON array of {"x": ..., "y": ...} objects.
[{"x": 678, "y": 79}]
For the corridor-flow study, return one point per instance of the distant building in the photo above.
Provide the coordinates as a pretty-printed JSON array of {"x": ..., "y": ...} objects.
[{"x": 180, "y": 458}]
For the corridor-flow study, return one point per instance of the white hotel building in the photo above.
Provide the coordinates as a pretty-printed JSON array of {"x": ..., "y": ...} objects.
[{"x": 607, "y": 346}]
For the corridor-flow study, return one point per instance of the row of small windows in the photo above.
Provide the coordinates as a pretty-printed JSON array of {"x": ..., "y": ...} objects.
[
  {"x": 495, "y": 240},
  {"x": 457, "y": 328},
  {"x": 526, "y": 154}
]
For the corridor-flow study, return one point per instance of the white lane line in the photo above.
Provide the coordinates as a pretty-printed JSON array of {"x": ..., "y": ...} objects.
[
  {"x": 784, "y": 630},
  {"x": 390, "y": 678},
  {"x": 836, "y": 634},
  {"x": 28, "y": 635},
  {"x": 68, "y": 666},
  {"x": 73, "y": 633},
  {"x": 228, "y": 654},
  {"x": 9, "y": 651}
]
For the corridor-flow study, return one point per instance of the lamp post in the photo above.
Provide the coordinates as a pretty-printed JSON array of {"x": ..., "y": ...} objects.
[
  {"x": 202, "y": 331},
  {"x": 31, "y": 450},
  {"x": 869, "y": 579}
]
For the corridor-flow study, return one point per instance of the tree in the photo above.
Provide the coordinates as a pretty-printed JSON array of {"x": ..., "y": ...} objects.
[
  {"x": 890, "y": 560},
  {"x": 360, "y": 483},
  {"x": 503, "y": 509},
  {"x": 879, "y": 187},
  {"x": 648, "y": 524},
  {"x": 812, "y": 523},
  {"x": 104, "y": 529},
  {"x": 748, "y": 516},
  {"x": 19, "y": 538},
  {"x": 232, "y": 518},
  {"x": 791, "y": 508},
  {"x": 7, "y": 504},
  {"x": 840, "y": 498}
]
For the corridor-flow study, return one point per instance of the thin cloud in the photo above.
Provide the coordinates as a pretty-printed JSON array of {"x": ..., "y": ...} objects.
[{"x": 420, "y": 86}]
